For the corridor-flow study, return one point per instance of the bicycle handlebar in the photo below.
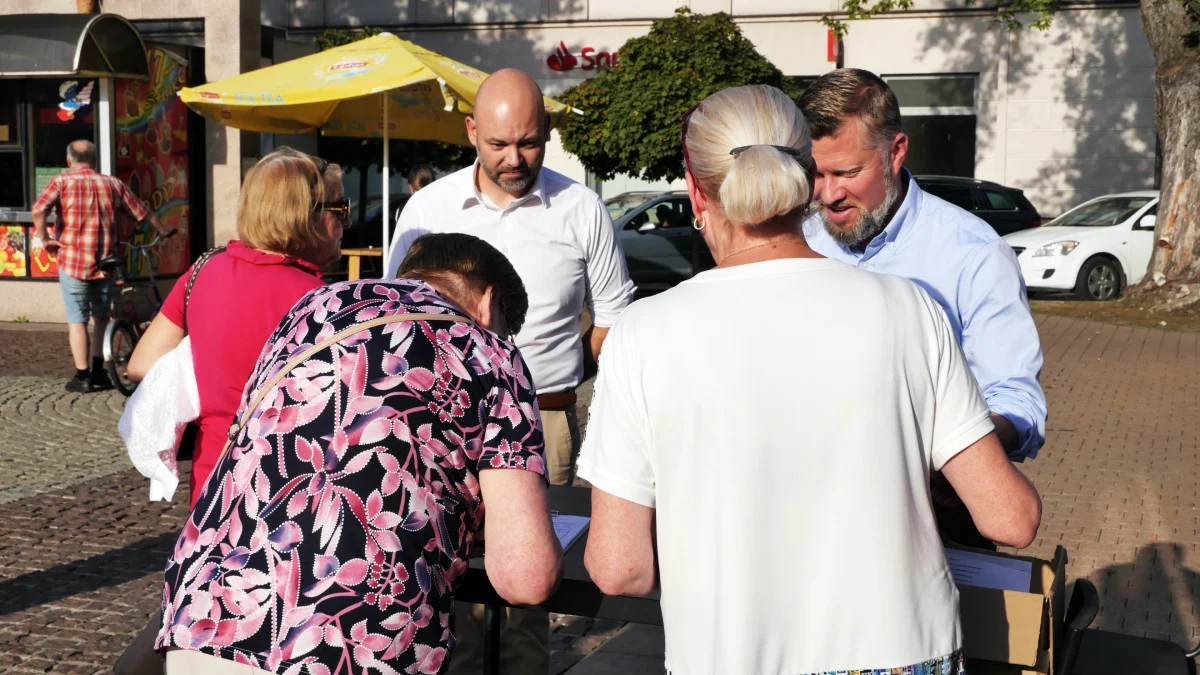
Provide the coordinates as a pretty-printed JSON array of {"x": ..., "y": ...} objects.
[{"x": 144, "y": 247}]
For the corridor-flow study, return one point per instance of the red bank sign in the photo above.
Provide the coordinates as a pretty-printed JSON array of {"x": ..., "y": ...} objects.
[{"x": 588, "y": 59}]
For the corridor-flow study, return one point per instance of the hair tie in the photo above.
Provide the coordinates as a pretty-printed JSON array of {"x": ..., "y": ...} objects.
[{"x": 782, "y": 148}]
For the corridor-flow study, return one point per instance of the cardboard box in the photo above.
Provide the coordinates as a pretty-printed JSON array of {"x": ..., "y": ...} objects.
[{"x": 1011, "y": 632}]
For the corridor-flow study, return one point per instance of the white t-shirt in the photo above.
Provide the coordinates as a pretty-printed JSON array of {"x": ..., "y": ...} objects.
[
  {"x": 560, "y": 240},
  {"x": 783, "y": 418}
]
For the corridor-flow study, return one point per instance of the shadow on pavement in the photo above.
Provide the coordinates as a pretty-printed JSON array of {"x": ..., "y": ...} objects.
[
  {"x": 111, "y": 568},
  {"x": 1157, "y": 585}
]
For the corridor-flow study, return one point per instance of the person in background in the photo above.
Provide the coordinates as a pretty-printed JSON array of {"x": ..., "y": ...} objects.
[
  {"x": 85, "y": 233},
  {"x": 291, "y": 215},
  {"x": 779, "y": 414},
  {"x": 872, "y": 214},
  {"x": 560, "y": 239},
  {"x": 419, "y": 176},
  {"x": 663, "y": 214},
  {"x": 341, "y": 530}
]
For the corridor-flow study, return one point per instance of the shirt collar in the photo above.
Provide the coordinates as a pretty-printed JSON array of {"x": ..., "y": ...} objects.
[
  {"x": 538, "y": 192},
  {"x": 254, "y": 256},
  {"x": 901, "y": 222}
]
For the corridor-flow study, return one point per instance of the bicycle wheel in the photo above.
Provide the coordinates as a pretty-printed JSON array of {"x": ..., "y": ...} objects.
[{"x": 119, "y": 340}]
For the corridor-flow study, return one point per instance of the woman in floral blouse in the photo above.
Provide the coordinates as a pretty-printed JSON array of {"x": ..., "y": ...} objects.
[{"x": 331, "y": 532}]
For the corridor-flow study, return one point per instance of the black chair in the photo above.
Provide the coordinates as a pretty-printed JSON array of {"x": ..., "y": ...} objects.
[
  {"x": 1081, "y": 611},
  {"x": 1088, "y": 651}
]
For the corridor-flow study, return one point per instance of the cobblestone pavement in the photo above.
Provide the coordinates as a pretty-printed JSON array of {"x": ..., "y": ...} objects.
[
  {"x": 81, "y": 551},
  {"x": 53, "y": 438},
  {"x": 1118, "y": 475}
]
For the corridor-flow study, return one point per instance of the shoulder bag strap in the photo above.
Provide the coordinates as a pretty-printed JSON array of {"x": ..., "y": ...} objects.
[
  {"x": 305, "y": 355},
  {"x": 187, "y": 290}
]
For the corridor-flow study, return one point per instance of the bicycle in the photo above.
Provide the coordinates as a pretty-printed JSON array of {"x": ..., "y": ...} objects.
[{"x": 133, "y": 304}]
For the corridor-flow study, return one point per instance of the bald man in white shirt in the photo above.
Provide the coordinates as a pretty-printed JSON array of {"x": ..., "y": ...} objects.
[{"x": 560, "y": 239}]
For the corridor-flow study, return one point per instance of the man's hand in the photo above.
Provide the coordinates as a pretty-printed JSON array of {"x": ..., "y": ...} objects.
[
  {"x": 41, "y": 231},
  {"x": 163, "y": 232}
]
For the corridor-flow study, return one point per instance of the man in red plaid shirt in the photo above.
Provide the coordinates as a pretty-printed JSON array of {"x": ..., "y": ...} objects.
[{"x": 86, "y": 203}]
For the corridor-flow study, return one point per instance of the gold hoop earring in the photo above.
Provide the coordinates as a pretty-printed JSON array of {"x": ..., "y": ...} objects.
[{"x": 697, "y": 224}]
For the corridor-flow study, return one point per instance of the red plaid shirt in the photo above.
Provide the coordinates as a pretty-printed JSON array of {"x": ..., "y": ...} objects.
[{"x": 86, "y": 204}]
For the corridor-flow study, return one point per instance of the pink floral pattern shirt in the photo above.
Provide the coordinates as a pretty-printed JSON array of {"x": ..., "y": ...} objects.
[{"x": 329, "y": 537}]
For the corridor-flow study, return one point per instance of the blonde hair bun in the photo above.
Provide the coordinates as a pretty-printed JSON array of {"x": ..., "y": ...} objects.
[{"x": 760, "y": 181}]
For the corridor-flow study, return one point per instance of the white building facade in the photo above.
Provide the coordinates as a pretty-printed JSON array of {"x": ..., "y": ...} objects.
[{"x": 1065, "y": 115}]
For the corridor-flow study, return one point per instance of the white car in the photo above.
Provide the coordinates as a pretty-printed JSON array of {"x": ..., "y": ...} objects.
[{"x": 1095, "y": 250}]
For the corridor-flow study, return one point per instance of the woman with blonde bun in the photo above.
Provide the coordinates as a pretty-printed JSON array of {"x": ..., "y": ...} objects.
[{"x": 762, "y": 435}]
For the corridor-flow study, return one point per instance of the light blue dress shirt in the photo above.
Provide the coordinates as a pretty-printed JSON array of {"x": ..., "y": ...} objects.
[{"x": 973, "y": 274}]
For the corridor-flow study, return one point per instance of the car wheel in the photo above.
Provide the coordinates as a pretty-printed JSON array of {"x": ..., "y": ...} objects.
[{"x": 1099, "y": 279}]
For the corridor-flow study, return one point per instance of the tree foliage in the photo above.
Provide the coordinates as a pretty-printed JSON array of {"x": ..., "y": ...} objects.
[
  {"x": 363, "y": 153},
  {"x": 632, "y": 112},
  {"x": 1013, "y": 14}
]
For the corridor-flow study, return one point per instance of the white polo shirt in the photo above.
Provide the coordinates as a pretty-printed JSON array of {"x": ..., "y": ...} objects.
[
  {"x": 782, "y": 419},
  {"x": 560, "y": 240}
]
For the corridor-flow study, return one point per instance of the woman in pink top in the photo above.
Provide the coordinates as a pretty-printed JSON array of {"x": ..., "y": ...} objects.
[{"x": 290, "y": 219}]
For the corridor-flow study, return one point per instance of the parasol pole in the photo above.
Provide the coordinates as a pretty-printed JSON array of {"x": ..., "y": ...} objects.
[{"x": 387, "y": 189}]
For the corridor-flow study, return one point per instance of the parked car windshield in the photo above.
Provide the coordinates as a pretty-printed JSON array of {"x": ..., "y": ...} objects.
[
  {"x": 1101, "y": 213},
  {"x": 622, "y": 204}
]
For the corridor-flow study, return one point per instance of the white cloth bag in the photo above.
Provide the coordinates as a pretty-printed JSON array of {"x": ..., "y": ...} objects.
[{"x": 155, "y": 417}]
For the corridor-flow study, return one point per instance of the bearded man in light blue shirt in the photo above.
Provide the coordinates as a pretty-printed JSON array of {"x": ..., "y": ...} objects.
[{"x": 869, "y": 212}]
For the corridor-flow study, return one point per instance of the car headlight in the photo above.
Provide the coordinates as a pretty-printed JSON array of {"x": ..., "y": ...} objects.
[{"x": 1055, "y": 248}]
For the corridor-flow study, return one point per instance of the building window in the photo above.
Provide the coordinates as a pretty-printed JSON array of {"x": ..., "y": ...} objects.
[
  {"x": 12, "y": 155},
  {"x": 938, "y": 114}
]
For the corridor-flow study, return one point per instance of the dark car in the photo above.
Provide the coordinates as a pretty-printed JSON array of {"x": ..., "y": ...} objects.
[
  {"x": 661, "y": 247},
  {"x": 1005, "y": 209}
]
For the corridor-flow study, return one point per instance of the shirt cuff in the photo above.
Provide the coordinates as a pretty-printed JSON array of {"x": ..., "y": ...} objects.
[
  {"x": 1027, "y": 431},
  {"x": 962, "y": 439},
  {"x": 605, "y": 315},
  {"x": 617, "y": 486}
]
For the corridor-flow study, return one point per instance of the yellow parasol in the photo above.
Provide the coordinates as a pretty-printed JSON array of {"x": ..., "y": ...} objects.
[{"x": 350, "y": 91}]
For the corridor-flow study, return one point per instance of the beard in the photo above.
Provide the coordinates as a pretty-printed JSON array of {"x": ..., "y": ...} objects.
[
  {"x": 517, "y": 185},
  {"x": 868, "y": 224}
]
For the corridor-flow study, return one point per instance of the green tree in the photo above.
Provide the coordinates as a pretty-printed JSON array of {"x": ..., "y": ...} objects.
[
  {"x": 632, "y": 112},
  {"x": 363, "y": 153},
  {"x": 1173, "y": 30}
]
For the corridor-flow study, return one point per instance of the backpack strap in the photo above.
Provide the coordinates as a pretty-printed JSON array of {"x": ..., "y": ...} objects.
[
  {"x": 305, "y": 355},
  {"x": 199, "y": 264}
]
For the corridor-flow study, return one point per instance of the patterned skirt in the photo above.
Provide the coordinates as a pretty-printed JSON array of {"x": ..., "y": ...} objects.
[{"x": 945, "y": 665}]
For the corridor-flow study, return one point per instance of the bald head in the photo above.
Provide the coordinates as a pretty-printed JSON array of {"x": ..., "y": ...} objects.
[
  {"x": 509, "y": 129},
  {"x": 81, "y": 152},
  {"x": 508, "y": 93}
]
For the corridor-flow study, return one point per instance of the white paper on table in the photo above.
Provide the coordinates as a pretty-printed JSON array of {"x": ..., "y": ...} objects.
[
  {"x": 987, "y": 571},
  {"x": 568, "y": 528}
]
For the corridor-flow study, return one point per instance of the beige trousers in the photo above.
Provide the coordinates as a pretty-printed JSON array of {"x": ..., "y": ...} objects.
[
  {"x": 525, "y": 633},
  {"x": 184, "y": 662}
]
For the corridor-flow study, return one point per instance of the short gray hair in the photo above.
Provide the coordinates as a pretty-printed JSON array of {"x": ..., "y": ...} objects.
[{"x": 82, "y": 151}]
